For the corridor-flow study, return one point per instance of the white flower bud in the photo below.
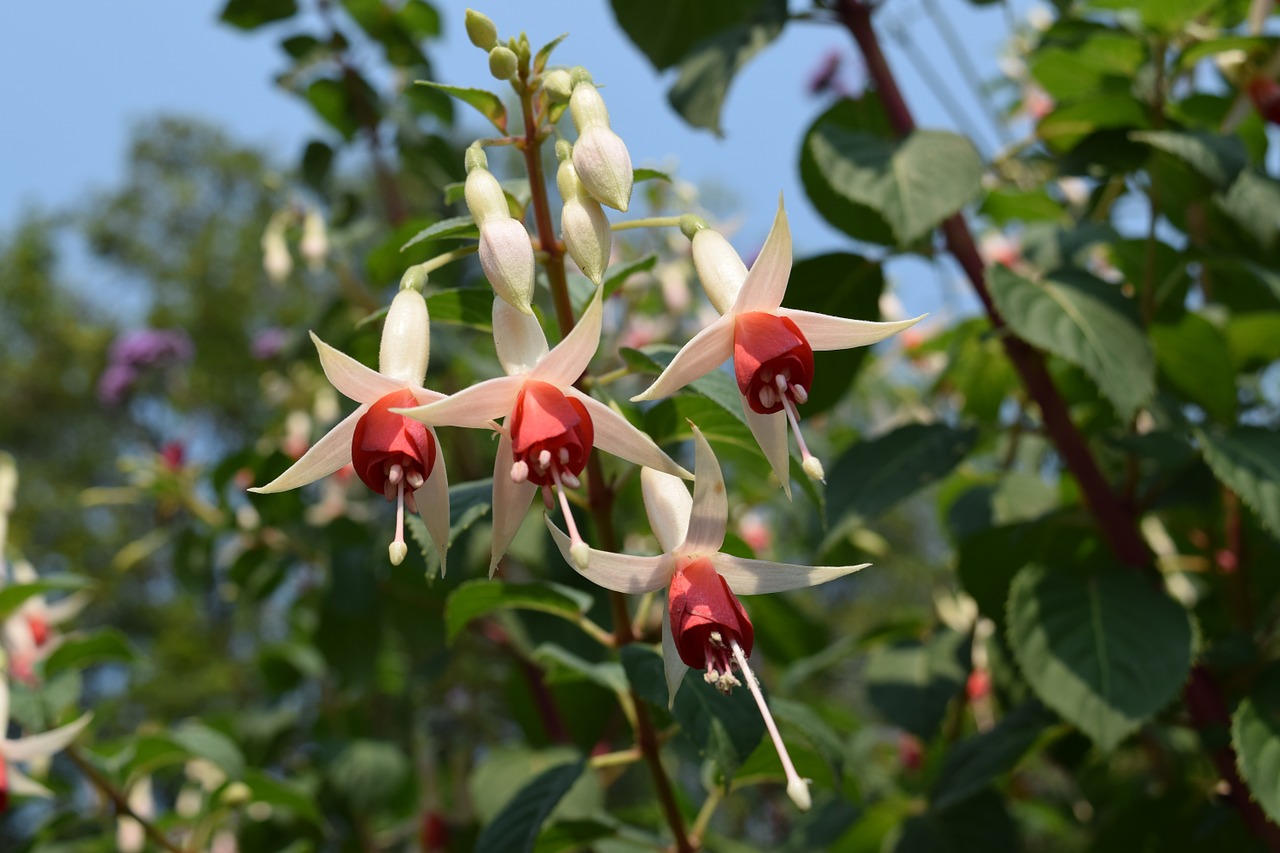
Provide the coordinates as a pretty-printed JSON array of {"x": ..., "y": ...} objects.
[
  {"x": 480, "y": 29},
  {"x": 502, "y": 62},
  {"x": 507, "y": 258},
  {"x": 406, "y": 338},
  {"x": 315, "y": 241},
  {"x": 485, "y": 198},
  {"x": 585, "y": 228},
  {"x": 719, "y": 268},
  {"x": 276, "y": 260},
  {"x": 558, "y": 85},
  {"x": 600, "y": 156}
]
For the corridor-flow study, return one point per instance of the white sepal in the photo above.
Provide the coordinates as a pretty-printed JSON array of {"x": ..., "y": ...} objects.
[
  {"x": 668, "y": 504},
  {"x": 770, "y": 432},
  {"x": 568, "y": 359},
  {"x": 471, "y": 407},
  {"x": 615, "y": 434},
  {"x": 618, "y": 572},
  {"x": 518, "y": 338},
  {"x": 706, "y": 351},
  {"x": 355, "y": 380},
  {"x": 758, "y": 577},
  {"x": 719, "y": 267},
  {"x": 324, "y": 457},
  {"x": 406, "y": 339},
  {"x": 766, "y": 283},
  {"x": 45, "y": 743},
  {"x": 432, "y": 499},
  {"x": 510, "y": 503},
  {"x": 824, "y": 332},
  {"x": 710, "y": 513},
  {"x": 673, "y": 666}
]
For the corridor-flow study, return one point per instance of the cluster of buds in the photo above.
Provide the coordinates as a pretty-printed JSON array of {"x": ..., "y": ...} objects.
[
  {"x": 277, "y": 261},
  {"x": 586, "y": 230}
]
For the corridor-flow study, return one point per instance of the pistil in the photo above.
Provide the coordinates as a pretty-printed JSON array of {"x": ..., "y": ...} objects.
[
  {"x": 790, "y": 395},
  {"x": 398, "y": 550},
  {"x": 797, "y": 788},
  {"x": 578, "y": 549}
]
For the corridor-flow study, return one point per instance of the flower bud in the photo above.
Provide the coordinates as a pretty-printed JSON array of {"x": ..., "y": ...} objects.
[
  {"x": 481, "y": 30},
  {"x": 600, "y": 156},
  {"x": 582, "y": 221},
  {"x": 719, "y": 268},
  {"x": 558, "y": 85},
  {"x": 484, "y": 196},
  {"x": 315, "y": 242},
  {"x": 506, "y": 255},
  {"x": 406, "y": 338},
  {"x": 276, "y": 260},
  {"x": 502, "y": 62}
]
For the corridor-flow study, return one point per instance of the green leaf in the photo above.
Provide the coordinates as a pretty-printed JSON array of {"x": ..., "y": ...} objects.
[
  {"x": 1218, "y": 158},
  {"x": 211, "y": 744},
  {"x": 543, "y": 56},
  {"x": 645, "y": 673},
  {"x": 1254, "y": 339},
  {"x": 844, "y": 285},
  {"x": 911, "y": 185},
  {"x": 911, "y": 683},
  {"x": 974, "y": 763},
  {"x": 1255, "y": 734},
  {"x": 813, "y": 728},
  {"x": 1068, "y": 125},
  {"x": 568, "y": 836},
  {"x": 12, "y": 597},
  {"x": 981, "y": 824},
  {"x": 874, "y": 475},
  {"x": 1106, "y": 652},
  {"x": 453, "y": 228},
  {"x": 1212, "y": 47},
  {"x": 516, "y": 827},
  {"x": 562, "y": 665},
  {"x": 1085, "y": 321},
  {"x": 368, "y": 773},
  {"x": 1247, "y": 460},
  {"x": 1194, "y": 358},
  {"x": 705, "y": 74},
  {"x": 464, "y": 306},
  {"x": 329, "y": 99},
  {"x": 716, "y": 386},
  {"x": 317, "y": 162},
  {"x": 724, "y": 728},
  {"x": 478, "y": 598},
  {"x": 107, "y": 645},
  {"x": 618, "y": 275},
  {"x": 1253, "y": 203},
  {"x": 280, "y": 794},
  {"x": 1007, "y": 205},
  {"x": 487, "y": 103},
  {"x": 251, "y": 14},
  {"x": 667, "y": 30},
  {"x": 1101, "y": 61},
  {"x": 643, "y": 174}
]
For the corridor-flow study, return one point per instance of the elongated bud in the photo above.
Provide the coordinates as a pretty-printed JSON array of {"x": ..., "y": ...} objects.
[
  {"x": 481, "y": 30},
  {"x": 505, "y": 251},
  {"x": 719, "y": 268},
  {"x": 558, "y": 85},
  {"x": 502, "y": 62},
  {"x": 586, "y": 230},
  {"x": 315, "y": 241},
  {"x": 600, "y": 156},
  {"x": 406, "y": 338}
]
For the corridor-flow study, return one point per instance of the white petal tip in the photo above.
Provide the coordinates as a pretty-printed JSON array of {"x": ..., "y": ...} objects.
[
  {"x": 581, "y": 554},
  {"x": 397, "y": 551},
  {"x": 813, "y": 467},
  {"x": 798, "y": 791}
]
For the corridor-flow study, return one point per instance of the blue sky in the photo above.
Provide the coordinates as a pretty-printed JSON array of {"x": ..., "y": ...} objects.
[{"x": 71, "y": 92}]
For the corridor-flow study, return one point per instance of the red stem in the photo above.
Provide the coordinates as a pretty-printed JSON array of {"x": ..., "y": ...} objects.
[{"x": 1116, "y": 519}]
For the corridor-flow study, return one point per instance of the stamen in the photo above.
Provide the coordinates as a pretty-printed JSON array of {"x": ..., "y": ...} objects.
[
  {"x": 394, "y": 475},
  {"x": 520, "y": 471},
  {"x": 544, "y": 460},
  {"x": 389, "y": 490},
  {"x": 781, "y": 382},
  {"x": 801, "y": 395},
  {"x": 415, "y": 479},
  {"x": 570, "y": 480},
  {"x": 811, "y": 464},
  {"x": 797, "y": 788},
  {"x": 398, "y": 550},
  {"x": 578, "y": 549},
  {"x": 766, "y": 397},
  {"x": 564, "y": 456}
]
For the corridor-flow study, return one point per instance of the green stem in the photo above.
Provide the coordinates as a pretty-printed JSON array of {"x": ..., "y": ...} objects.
[
  {"x": 531, "y": 147},
  {"x": 647, "y": 222},
  {"x": 430, "y": 266},
  {"x": 119, "y": 800}
]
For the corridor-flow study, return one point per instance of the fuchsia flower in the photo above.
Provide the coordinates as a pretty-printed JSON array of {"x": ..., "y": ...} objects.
[
  {"x": 549, "y": 427},
  {"x": 772, "y": 347},
  {"x": 704, "y": 626},
  {"x": 388, "y": 451},
  {"x": 27, "y": 748}
]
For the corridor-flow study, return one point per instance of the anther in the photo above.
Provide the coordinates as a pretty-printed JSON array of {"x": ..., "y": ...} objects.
[
  {"x": 520, "y": 471},
  {"x": 570, "y": 480},
  {"x": 801, "y": 395},
  {"x": 564, "y": 456},
  {"x": 544, "y": 459},
  {"x": 578, "y": 549},
  {"x": 394, "y": 475},
  {"x": 415, "y": 479}
]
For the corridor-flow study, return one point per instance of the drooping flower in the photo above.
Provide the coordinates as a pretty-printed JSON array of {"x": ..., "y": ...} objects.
[
  {"x": 705, "y": 625},
  {"x": 549, "y": 426},
  {"x": 29, "y": 633},
  {"x": 28, "y": 748},
  {"x": 394, "y": 456},
  {"x": 772, "y": 347}
]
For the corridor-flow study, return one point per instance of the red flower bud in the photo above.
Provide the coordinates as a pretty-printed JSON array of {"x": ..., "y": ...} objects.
[
  {"x": 1265, "y": 94},
  {"x": 382, "y": 440},
  {"x": 550, "y": 433},
  {"x": 705, "y": 617},
  {"x": 765, "y": 347}
]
